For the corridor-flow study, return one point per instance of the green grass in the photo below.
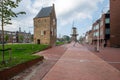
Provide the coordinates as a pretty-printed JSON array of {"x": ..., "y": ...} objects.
[
  {"x": 20, "y": 53},
  {"x": 59, "y": 43}
]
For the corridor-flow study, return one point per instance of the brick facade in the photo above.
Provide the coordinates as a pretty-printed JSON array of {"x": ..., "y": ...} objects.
[
  {"x": 45, "y": 30},
  {"x": 115, "y": 22},
  {"x": 101, "y": 30}
]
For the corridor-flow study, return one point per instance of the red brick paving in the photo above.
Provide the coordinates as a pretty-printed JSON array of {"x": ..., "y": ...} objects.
[
  {"x": 38, "y": 71},
  {"x": 78, "y": 63},
  {"x": 109, "y": 54},
  {"x": 75, "y": 63}
]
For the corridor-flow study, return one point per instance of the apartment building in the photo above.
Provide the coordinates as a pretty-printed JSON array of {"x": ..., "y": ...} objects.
[{"x": 101, "y": 30}]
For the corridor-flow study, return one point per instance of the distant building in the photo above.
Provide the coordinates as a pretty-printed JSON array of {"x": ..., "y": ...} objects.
[
  {"x": 74, "y": 34},
  {"x": 45, "y": 26},
  {"x": 88, "y": 37},
  {"x": 16, "y": 37},
  {"x": 115, "y": 23}
]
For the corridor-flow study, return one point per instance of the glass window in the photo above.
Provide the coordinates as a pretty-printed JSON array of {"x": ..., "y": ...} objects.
[
  {"x": 97, "y": 33},
  {"x": 94, "y": 34},
  {"x": 97, "y": 26},
  {"x": 108, "y": 31},
  {"x": 94, "y": 28},
  {"x": 107, "y": 20}
]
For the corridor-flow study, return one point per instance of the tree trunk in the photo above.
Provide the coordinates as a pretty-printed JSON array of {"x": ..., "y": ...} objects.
[{"x": 2, "y": 21}]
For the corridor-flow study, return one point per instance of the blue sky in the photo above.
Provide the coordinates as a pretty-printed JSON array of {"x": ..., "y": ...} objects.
[{"x": 82, "y": 12}]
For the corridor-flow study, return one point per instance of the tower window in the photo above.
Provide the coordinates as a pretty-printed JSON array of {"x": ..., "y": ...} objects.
[{"x": 44, "y": 32}]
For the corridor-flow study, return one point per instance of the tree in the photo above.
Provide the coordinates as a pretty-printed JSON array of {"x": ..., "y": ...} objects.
[
  {"x": 21, "y": 37},
  {"x": 6, "y": 14},
  {"x": 6, "y": 37},
  {"x": 66, "y": 38}
]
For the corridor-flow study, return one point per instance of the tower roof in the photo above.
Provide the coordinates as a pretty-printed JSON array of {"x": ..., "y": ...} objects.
[
  {"x": 44, "y": 12},
  {"x": 74, "y": 28}
]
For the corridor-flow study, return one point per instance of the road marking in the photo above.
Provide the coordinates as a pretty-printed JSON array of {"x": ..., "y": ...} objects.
[{"x": 83, "y": 60}]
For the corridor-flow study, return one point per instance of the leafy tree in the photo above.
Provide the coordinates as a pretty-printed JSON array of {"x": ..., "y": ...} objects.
[
  {"x": 6, "y": 14},
  {"x": 66, "y": 38},
  {"x": 21, "y": 37},
  {"x": 6, "y": 37}
]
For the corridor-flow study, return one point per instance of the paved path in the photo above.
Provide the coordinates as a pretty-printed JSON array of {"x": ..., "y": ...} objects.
[
  {"x": 78, "y": 63},
  {"x": 109, "y": 54},
  {"x": 38, "y": 71}
]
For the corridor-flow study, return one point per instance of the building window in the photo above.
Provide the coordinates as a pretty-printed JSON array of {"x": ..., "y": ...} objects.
[
  {"x": 96, "y": 34},
  {"x": 96, "y": 27},
  {"x": 53, "y": 21},
  {"x": 107, "y": 31},
  {"x": 52, "y": 31},
  {"x": 107, "y": 20},
  {"x": 42, "y": 32}
]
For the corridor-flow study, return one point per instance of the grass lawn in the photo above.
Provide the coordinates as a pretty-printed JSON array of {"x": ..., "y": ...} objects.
[
  {"x": 59, "y": 43},
  {"x": 20, "y": 54}
]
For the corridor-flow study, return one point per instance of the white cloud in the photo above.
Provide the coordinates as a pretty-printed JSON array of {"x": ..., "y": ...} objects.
[{"x": 66, "y": 11}]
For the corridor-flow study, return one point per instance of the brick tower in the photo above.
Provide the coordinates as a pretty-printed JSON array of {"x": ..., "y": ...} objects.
[{"x": 45, "y": 30}]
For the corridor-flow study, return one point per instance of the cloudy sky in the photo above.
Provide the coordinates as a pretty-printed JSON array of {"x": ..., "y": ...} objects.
[{"x": 82, "y": 12}]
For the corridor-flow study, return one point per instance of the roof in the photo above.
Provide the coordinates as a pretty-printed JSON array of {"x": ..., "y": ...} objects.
[
  {"x": 74, "y": 28},
  {"x": 44, "y": 12}
]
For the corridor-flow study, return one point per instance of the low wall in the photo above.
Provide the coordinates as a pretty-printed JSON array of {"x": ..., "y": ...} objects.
[{"x": 8, "y": 73}]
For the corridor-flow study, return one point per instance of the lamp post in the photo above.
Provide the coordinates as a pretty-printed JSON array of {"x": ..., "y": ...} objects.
[{"x": 98, "y": 38}]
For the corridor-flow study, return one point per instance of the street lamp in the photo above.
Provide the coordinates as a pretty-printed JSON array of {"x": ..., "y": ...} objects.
[{"x": 98, "y": 38}]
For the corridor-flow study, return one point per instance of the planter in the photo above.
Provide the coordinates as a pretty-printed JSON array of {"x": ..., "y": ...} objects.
[{"x": 8, "y": 73}]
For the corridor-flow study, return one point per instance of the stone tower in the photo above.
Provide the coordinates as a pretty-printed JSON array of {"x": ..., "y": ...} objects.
[
  {"x": 45, "y": 30},
  {"x": 74, "y": 34}
]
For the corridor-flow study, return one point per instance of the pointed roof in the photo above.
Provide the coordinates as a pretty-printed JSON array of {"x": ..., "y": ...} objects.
[{"x": 44, "y": 12}]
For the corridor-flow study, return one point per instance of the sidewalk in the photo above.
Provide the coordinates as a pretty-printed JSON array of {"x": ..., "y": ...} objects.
[
  {"x": 109, "y": 54},
  {"x": 38, "y": 71},
  {"x": 78, "y": 63}
]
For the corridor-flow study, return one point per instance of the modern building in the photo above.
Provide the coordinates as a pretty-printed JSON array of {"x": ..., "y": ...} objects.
[
  {"x": 95, "y": 32},
  {"x": 105, "y": 29},
  {"x": 74, "y": 34},
  {"x": 115, "y": 23},
  {"x": 101, "y": 30},
  {"x": 45, "y": 26}
]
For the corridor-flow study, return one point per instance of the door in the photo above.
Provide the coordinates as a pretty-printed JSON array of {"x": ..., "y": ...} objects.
[{"x": 38, "y": 41}]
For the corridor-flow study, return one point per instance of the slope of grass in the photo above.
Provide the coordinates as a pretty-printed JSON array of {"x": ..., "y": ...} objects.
[{"x": 20, "y": 54}]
